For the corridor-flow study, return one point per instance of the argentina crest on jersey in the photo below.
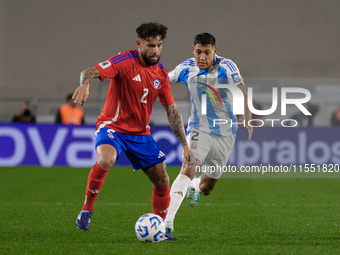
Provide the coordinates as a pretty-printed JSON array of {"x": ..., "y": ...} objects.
[{"x": 156, "y": 83}]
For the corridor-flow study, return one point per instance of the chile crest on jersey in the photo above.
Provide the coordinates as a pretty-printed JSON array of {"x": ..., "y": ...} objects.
[{"x": 156, "y": 83}]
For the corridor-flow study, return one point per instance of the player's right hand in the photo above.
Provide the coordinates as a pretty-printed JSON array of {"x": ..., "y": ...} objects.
[
  {"x": 189, "y": 162},
  {"x": 186, "y": 154},
  {"x": 81, "y": 94}
]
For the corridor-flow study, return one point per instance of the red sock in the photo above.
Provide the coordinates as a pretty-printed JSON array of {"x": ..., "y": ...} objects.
[
  {"x": 95, "y": 181},
  {"x": 160, "y": 200}
]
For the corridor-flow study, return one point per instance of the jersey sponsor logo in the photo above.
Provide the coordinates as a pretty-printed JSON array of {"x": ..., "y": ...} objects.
[
  {"x": 156, "y": 83},
  {"x": 104, "y": 64},
  {"x": 137, "y": 78}
]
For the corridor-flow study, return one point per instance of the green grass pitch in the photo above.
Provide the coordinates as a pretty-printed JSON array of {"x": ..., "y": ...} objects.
[{"x": 39, "y": 206}]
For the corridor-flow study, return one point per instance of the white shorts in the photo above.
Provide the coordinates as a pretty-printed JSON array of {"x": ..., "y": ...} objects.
[{"x": 212, "y": 151}]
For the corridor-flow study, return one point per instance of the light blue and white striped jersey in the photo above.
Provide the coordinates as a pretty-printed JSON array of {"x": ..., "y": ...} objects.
[{"x": 199, "y": 81}]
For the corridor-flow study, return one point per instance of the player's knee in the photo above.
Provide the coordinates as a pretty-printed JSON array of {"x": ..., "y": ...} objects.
[
  {"x": 163, "y": 180},
  {"x": 206, "y": 189},
  {"x": 106, "y": 163},
  {"x": 206, "y": 192}
]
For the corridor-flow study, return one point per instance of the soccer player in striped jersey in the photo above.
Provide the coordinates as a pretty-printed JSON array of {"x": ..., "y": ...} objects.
[
  {"x": 137, "y": 78},
  {"x": 210, "y": 143}
]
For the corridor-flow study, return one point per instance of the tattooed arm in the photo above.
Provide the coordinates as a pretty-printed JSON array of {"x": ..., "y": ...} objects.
[
  {"x": 82, "y": 92},
  {"x": 177, "y": 126}
]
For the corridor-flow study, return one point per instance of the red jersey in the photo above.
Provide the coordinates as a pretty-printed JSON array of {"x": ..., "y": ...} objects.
[{"x": 132, "y": 92}]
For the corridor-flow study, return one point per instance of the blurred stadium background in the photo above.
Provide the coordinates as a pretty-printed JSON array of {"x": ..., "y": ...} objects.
[{"x": 46, "y": 44}]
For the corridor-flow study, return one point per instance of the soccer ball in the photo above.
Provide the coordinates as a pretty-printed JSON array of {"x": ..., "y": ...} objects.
[{"x": 150, "y": 228}]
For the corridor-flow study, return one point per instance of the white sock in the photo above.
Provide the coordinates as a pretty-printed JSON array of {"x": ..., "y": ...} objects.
[
  {"x": 196, "y": 183},
  {"x": 177, "y": 193}
]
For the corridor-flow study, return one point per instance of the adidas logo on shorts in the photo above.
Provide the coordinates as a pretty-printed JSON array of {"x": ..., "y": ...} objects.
[{"x": 161, "y": 154}]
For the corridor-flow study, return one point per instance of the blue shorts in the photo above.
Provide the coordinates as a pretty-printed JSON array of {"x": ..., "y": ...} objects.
[{"x": 142, "y": 150}]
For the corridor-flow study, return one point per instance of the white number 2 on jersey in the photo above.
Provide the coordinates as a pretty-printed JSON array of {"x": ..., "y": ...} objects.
[{"x": 146, "y": 92}]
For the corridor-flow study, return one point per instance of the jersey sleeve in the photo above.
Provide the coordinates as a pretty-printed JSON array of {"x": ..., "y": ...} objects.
[
  {"x": 173, "y": 75},
  {"x": 179, "y": 74},
  {"x": 233, "y": 74},
  {"x": 106, "y": 69},
  {"x": 165, "y": 96}
]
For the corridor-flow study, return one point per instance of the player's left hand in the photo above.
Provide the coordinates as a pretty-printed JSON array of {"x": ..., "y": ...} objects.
[
  {"x": 81, "y": 94},
  {"x": 250, "y": 131}
]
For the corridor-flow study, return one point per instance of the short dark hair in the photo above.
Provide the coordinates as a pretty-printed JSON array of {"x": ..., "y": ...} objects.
[
  {"x": 151, "y": 29},
  {"x": 204, "y": 39}
]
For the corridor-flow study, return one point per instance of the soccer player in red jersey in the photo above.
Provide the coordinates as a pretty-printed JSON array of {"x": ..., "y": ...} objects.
[{"x": 137, "y": 78}]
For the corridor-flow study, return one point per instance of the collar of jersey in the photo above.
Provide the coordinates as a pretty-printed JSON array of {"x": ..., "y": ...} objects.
[{"x": 205, "y": 71}]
